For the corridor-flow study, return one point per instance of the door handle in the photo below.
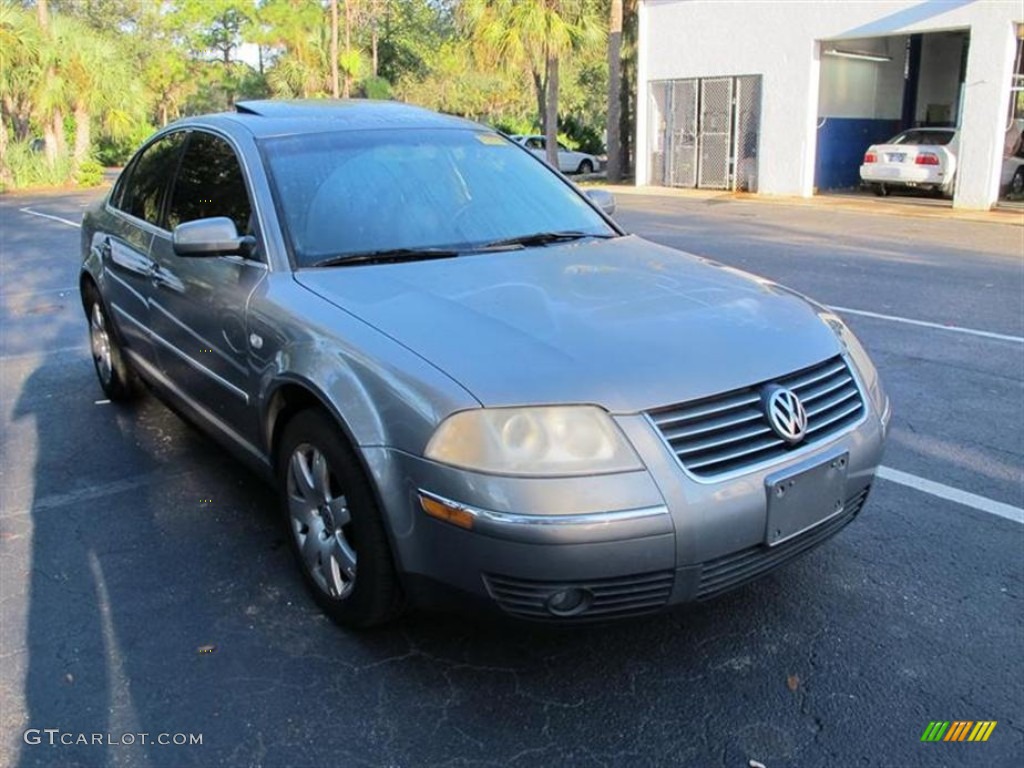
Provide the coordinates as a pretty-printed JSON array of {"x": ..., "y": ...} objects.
[{"x": 105, "y": 248}]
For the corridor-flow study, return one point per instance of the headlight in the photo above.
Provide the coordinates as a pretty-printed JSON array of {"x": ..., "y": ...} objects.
[
  {"x": 856, "y": 353},
  {"x": 555, "y": 440}
]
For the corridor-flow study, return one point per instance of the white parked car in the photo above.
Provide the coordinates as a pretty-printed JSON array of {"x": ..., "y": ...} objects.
[
  {"x": 1011, "y": 181},
  {"x": 926, "y": 158},
  {"x": 568, "y": 160},
  {"x": 921, "y": 157}
]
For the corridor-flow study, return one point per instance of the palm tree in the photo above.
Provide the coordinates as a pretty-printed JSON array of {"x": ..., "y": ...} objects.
[
  {"x": 97, "y": 82},
  {"x": 49, "y": 98},
  {"x": 534, "y": 34},
  {"x": 19, "y": 76}
]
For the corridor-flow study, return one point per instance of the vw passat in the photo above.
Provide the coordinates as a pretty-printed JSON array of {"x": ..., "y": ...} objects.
[{"x": 467, "y": 382}]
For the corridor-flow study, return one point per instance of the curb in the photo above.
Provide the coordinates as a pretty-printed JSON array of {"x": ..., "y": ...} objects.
[{"x": 869, "y": 206}]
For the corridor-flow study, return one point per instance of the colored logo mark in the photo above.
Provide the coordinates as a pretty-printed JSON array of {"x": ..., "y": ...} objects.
[{"x": 958, "y": 730}]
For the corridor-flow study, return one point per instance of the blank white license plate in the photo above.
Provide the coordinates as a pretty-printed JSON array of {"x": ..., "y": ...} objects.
[{"x": 802, "y": 498}]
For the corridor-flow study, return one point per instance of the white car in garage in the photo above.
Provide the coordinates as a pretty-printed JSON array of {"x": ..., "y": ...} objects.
[
  {"x": 568, "y": 160},
  {"x": 921, "y": 157},
  {"x": 926, "y": 158}
]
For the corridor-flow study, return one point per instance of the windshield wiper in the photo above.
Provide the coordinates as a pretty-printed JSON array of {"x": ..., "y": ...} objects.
[
  {"x": 386, "y": 256},
  {"x": 540, "y": 238}
]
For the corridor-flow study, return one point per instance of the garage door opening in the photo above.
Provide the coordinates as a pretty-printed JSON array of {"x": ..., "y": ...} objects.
[{"x": 872, "y": 89}]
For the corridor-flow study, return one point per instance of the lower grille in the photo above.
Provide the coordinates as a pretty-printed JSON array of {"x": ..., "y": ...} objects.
[
  {"x": 609, "y": 598},
  {"x": 739, "y": 568}
]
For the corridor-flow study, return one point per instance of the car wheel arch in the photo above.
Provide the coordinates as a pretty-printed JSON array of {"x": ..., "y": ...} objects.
[
  {"x": 293, "y": 395},
  {"x": 290, "y": 396}
]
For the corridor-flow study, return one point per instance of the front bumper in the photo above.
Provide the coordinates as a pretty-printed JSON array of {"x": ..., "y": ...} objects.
[{"x": 632, "y": 543}]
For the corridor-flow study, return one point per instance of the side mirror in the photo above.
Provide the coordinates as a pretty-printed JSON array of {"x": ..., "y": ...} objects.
[
  {"x": 210, "y": 237},
  {"x": 604, "y": 200}
]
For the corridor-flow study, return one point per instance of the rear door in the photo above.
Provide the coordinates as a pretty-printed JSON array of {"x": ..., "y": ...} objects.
[
  {"x": 133, "y": 218},
  {"x": 199, "y": 304}
]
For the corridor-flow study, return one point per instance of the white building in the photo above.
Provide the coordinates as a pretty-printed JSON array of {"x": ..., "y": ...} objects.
[{"x": 784, "y": 97}]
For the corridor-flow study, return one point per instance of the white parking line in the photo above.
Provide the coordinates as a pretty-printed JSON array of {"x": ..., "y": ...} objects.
[
  {"x": 926, "y": 324},
  {"x": 949, "y": 493},
  {"x": 70, "y": 223},
  {"x": 42, "y": 353}
]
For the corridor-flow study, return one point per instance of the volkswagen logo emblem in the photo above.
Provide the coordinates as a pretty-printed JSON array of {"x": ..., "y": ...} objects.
[{"x": 786, "y": 414}]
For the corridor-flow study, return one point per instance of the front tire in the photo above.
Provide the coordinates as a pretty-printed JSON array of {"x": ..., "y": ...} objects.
[
  {"x": 118, "y": 380},
  {"x": 334, "y": 524},
  {"x": 585, "y": 167}
]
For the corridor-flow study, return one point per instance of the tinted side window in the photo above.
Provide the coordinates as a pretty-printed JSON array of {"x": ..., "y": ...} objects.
[
  {"x": 209, "y": 183},
  {"x": 143, "y": 191}
]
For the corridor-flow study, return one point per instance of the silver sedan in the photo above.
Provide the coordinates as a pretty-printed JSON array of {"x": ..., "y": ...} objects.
[{"x": 467, "y": 383}]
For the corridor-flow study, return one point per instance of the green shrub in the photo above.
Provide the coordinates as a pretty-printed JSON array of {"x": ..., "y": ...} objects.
[
  {"x": 376, "y": 88},
  {"x": 111, "y": 152},
  {"x": 516, "y": 126},
  {"x": 89, "y": 173},
  {"x": 28, "y": 167}
]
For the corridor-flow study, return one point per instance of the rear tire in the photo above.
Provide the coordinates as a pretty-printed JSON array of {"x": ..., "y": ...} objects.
[
  {"x": 880, "y": 189},
  {"x": 1017, "y": 183},
  {"x": 117, "y": 378},
  {"x": 335, "y": 528}
]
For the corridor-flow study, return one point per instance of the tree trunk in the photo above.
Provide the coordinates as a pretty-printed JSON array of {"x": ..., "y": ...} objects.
[
  {"x": 60, "y": 138},
  {"x": 334, "y": 49},
  {"x": 540, "y": 87},
  {"x": 348, "y": 46},
  {"x": 83, "y": 136},
  {"x": 50, "y": 127},
  {"x": 374, "y": 37},
  {"x": 551, "y": 112},
  {"x": 6, "y": 177},
  {"x": 614, "y": 92}
]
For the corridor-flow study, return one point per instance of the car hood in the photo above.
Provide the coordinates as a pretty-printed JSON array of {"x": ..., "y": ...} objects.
[{"x": 622, "y": 323}]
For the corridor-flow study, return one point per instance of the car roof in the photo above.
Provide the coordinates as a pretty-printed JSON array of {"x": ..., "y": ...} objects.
[{"x": 284, "y": 118}]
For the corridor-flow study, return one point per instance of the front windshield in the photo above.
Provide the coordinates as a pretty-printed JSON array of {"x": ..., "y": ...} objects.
[{"x": 357, "y": 192}]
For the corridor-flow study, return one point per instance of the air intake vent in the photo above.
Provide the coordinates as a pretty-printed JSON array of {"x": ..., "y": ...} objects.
[
  {"x": 607, "y": 598},
  {"x": 731, "y": 571},
  {"x": 729, "y": 432}
]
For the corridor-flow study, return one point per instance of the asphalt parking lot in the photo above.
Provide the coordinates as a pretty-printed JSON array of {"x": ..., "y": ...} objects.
[{"x": 128, "y": 542}]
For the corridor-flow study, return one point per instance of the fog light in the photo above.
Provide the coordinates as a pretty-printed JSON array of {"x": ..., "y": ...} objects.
[{"x": 569, "y": 602}]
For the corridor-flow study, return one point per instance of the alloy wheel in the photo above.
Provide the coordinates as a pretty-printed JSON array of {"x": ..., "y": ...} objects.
[
  {"x": 320, "y": 521},
  {"x": 99, "y": 340}
]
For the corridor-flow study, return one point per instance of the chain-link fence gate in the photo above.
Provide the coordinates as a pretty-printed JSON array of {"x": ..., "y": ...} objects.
[{"x": 704, "y": 132}]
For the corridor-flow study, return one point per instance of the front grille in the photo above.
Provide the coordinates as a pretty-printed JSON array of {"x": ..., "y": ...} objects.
[
  {"x": 734, "y": 570},
  {"x": 730, "y": 432},
  {"x": 612, "y": 598}
]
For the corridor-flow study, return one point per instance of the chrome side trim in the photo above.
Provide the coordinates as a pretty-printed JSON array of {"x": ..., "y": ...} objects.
[
  {"x": 206, "y": 343},
  {"x": 580, "y": 528},
  {"x": 240, "y": 393},
  {"x": 124, "y": 284},
  {"x": 210, "y": 418},
  {"x": 131, "y": 319}
]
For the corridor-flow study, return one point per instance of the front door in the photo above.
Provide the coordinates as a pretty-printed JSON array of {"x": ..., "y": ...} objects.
[{"x": 199, "y": 304}]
